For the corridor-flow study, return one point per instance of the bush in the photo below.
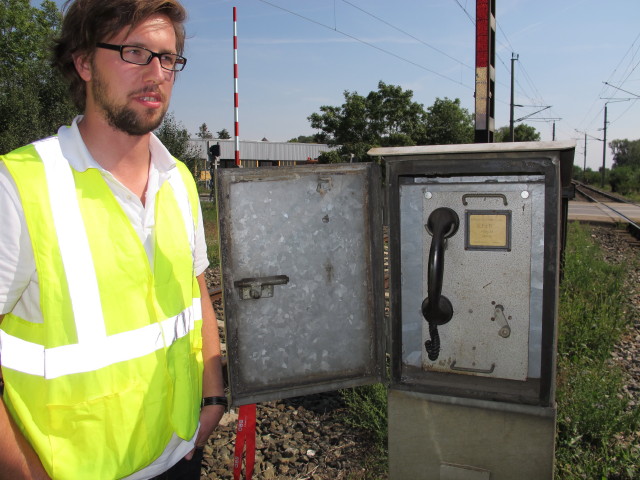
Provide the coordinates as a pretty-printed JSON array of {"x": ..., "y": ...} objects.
[{"x": 624, "y": 180}]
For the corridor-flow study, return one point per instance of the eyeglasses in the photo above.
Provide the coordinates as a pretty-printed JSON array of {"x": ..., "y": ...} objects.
[{"x": 143, "y": 56}]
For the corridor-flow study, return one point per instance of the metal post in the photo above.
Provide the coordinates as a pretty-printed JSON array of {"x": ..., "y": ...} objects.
[
  {"x": 514, "y": 57},
  {"x": 485, "y": 71},
  {"x": 584, "y": 168},
  {"x": 604, "y": 147}
]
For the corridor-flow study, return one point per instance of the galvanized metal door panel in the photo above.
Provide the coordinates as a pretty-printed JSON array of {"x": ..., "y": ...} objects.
[{"x": 301, "y": 255}]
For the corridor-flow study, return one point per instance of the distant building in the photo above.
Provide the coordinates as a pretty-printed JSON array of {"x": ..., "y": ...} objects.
[{"x": 263, "y": 153}]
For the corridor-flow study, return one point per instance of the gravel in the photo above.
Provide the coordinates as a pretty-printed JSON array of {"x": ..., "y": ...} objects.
[{"x": 300, "y": 438}]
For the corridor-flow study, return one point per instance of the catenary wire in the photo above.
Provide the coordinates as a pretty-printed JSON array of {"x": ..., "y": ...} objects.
[
  {"x": 408, "y": 34},
  {"x": 369, "y": 44}
]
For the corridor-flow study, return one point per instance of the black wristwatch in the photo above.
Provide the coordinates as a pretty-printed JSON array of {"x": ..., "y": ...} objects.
[{"x": 214, "y": 401}]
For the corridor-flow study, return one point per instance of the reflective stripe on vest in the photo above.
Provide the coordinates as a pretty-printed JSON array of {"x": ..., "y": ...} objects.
[
  {"x": 34, "y": 359},
  {"x": 94, "y": 349}
]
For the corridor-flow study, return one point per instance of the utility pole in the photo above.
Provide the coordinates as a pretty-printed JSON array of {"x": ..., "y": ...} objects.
[
  {"x": 584, "y": 167},
  {"x": 604, "y": 146},
  {"x": 604, "y": 141},
  {"x": 514, "y": 57}
]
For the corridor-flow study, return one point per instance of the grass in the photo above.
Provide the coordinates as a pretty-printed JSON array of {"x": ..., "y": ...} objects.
[
  {"x": 596, "y": 424},
  {"x": 592, "y": 300},
  {"x": 367, "y": 410},
  {"x": 634, "y": 197},
  {"x": 210, "y": 219}
]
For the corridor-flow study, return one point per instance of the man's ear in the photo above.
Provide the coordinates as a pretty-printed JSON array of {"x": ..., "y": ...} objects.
[{"x": 82, "y": 63}]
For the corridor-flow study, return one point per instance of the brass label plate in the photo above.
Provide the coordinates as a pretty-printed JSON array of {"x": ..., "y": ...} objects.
[{"x": 488, "y": 230}]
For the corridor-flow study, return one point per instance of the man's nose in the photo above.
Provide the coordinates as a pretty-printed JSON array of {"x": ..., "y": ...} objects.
[{"x": 155, "y": 71}]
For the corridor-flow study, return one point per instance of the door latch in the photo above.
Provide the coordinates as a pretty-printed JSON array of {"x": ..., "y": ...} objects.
[{"x": 261, "y": 287}]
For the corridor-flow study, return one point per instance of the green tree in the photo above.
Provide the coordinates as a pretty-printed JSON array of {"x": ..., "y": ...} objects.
[
  {"x": 624, "y": 176},
  {"x": 386, "y": 117},
  {"x": 223, "y": 134},
  {"x": 521, "y": 133},
  {"x": 304, "y": 139},
  {"x": 624, "y": 180},
  {"x": 625, "y": 153},
  {"x": 448, "y": 123},
  {"x": 34, "y": 99},
  {"x": 203, "y": 132},
  {"x": 176, "y": 138},
  {"x": 591, "y": 177},
  {"x": 395, "y": 118}
]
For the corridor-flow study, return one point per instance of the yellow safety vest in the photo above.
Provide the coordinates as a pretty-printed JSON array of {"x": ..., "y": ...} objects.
[{"x": 115, "y": 369}]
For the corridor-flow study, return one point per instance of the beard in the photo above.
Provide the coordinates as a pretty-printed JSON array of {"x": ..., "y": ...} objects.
[{"x": 123, "y": 118}]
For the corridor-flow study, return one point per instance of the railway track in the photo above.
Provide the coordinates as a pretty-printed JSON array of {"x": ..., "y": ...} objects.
[
  {"x": 215, "y": 293},
  {"x": 604, "y": 199}
]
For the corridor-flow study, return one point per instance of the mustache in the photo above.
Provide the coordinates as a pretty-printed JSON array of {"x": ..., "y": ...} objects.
[{"x": 149, "y": 89}]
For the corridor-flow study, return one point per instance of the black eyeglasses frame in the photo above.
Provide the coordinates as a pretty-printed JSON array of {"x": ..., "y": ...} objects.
[{"x": 120, "y": 48}]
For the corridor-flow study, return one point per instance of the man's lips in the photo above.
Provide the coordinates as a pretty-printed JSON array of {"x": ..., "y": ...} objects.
[{"x": 149, "y": 99}]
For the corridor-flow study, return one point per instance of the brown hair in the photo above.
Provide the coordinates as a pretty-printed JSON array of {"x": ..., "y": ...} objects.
[{"x": 87, "y": 22}]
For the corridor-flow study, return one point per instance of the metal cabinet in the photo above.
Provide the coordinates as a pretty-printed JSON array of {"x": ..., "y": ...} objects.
[{"x": 474, "y": 240}]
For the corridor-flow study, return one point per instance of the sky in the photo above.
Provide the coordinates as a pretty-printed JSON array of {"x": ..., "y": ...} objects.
[{"x": 297, "y": 55}]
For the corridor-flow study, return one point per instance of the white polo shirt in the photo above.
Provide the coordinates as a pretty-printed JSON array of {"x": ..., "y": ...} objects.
[{"x": 19, "y": 288}]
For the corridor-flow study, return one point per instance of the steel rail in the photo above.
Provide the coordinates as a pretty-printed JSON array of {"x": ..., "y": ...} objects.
[
  {"x": 582, "y": 186},
  {"x": 632, "y": 227}
]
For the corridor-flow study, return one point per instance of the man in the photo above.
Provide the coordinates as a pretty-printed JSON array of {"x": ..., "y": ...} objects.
[{"x": 108, "y": 339}]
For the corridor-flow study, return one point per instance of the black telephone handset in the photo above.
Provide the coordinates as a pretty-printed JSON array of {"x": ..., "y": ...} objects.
[{"x": 436, "y": 308}]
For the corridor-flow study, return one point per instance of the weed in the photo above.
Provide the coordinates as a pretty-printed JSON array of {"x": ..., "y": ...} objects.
[
  {"x": 367, "y": 409},
  {"x": 210, "y": 219}
]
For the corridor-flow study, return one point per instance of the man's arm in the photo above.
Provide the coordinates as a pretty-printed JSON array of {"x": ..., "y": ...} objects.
[
  {"x": 212, "y": 382},
  {"x": 17, "y": 459}
]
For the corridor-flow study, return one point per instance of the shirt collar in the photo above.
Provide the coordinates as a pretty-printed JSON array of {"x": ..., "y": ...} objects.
[{"x": 78, "y": 156}]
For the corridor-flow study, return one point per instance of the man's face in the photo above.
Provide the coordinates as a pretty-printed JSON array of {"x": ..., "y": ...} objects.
[{"x": 133, "y": 98}]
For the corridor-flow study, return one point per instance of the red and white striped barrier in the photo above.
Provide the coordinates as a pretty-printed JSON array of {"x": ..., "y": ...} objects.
[{"x": 235, "y": 87}]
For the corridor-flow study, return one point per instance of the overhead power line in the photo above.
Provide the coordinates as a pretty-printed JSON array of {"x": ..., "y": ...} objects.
[
  {"x": 464, "y": 9},
  {"x": 622, "y": 60},
  {"x": 408, "y": 34},
  {"x": 369, "y": 44},
  {"x": 596, "y": 117}
]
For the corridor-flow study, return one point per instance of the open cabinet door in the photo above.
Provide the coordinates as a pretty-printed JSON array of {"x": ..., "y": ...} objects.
[{"x": 302, "y": 275}]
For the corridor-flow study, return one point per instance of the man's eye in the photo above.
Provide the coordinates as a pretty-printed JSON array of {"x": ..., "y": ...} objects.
[{"x": 134, "y": 52}]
